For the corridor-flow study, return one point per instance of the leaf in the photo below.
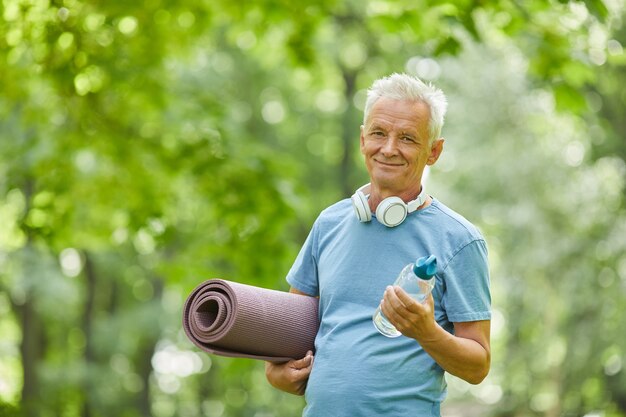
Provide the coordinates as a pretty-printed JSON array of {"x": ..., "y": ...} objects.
[
  {"x": 449, "y": 45},
  {"x": 569, "y": 99},
  {"x": 598, "y": 9}
]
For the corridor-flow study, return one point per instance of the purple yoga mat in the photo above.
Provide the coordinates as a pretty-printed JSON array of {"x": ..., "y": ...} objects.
[{"x": 231, "y": 319}]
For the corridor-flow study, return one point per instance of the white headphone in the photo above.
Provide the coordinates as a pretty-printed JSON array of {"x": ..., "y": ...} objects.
[{"x": 391, "y": 211}]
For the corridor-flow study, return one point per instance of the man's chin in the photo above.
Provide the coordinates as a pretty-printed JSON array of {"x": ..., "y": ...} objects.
[{"x": 387, "y": 181}]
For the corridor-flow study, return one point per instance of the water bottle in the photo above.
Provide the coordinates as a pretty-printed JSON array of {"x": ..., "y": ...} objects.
[{"x": 418, "y": 280}]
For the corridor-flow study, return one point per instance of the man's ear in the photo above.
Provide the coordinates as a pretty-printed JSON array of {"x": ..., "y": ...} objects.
[
  {"x": 435, "y": 151},
  {"x": 362, "y": 138}
]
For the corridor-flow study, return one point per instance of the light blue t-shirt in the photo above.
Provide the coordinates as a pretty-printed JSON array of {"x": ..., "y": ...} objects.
[{"x": 357, "y": 371}]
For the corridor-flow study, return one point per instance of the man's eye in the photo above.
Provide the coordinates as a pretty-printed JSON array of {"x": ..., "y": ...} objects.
[
  {"x": 407, "y": 139},
  {"x": 378, "y": 133}
]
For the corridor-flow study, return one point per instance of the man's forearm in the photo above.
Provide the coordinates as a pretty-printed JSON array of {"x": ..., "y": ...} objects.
[
  {"x": 463, "y": 357},
  {"x": 465, "y": 354}
]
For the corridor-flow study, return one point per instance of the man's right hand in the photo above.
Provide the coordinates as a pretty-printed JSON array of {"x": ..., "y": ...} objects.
[{"x": 290, "y": 376}]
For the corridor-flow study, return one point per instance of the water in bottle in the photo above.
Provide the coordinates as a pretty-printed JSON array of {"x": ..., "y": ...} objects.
[{"x": 418, "y": 280}]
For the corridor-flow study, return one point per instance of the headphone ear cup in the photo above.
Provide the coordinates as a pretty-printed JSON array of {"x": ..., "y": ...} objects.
[
  {"x": 391, "y": 211},
  {"x": 361, "y": 208}
]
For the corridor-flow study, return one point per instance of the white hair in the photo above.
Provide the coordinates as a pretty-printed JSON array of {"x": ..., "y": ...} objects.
[{"x": 406, "y": 87}]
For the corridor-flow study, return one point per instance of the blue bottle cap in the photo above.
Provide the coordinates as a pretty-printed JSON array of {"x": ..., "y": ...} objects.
[{"x": 425, "y": 267}]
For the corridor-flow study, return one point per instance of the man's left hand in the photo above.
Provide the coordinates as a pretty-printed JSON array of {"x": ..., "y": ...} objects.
[{"x": 412, "y": 318}]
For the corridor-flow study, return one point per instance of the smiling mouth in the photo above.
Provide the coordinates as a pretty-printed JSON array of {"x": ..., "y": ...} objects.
[{"x": 389, "y": 164}]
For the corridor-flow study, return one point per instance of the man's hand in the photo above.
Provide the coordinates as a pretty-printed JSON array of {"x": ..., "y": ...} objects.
[
  {"x": 291, "y": 376},
  {"x": 466, "y": 353},
  {"x": 412, "y": 318}
]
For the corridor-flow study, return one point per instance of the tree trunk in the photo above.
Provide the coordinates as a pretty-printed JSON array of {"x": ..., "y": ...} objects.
[
  {"x": 144, "y": 362},
  {"x": 87, "y": 328},
  {"x": 349, "y": 135},
  {"x": 31, "y": 349},
  {"x": 33, "y": 337}
]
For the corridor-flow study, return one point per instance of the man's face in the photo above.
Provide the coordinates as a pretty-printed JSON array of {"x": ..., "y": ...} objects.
[{"x": 394, "y": 142}]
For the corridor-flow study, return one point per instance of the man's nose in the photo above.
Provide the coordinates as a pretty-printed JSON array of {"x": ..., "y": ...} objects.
[{"x": 390, "y": 147}]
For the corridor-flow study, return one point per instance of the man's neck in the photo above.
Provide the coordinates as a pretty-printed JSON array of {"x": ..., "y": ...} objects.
[{"x": 376, "y": 196}]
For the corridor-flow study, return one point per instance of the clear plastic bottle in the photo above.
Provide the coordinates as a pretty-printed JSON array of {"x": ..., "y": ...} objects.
[{"x": 418, "y": 280}]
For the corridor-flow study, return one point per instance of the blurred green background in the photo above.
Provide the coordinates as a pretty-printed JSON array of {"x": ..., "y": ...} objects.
[{"x": 148, "y": 146}]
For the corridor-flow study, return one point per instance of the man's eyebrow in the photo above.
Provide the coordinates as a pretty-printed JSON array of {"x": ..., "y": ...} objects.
[{"x": 375, "y": 126}]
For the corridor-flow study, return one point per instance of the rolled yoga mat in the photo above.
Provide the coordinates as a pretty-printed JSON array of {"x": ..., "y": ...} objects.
[{"x": 231, "y": 319}]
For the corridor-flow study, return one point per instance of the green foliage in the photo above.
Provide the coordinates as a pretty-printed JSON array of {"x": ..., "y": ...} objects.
[
  {"x": 146, "y": 148},
  {"x": 9, "y": 410}
]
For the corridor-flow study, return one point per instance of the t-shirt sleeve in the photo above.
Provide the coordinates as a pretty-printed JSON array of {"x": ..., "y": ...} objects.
[
  {"x": 467, "y": 296},
  {"x": 303, "y": 273}
]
